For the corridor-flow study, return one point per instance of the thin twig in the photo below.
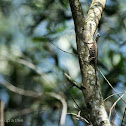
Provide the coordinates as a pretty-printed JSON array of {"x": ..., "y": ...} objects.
[
  {"x": 112, "y": 95},
  {"x": 118, "y": 115},
  {"x": 60, "y": 48},
  {"x": 79, "y": 117},
  {"x": 122, "y": 123},
  {"x": 69, "y": 93},
  {"x": 115, "y": 104},
  {"x": 19, "y": 90},
  {"x": 111, "y": 86},
  {"x": 2, "y": 112},
  {"x": 33, "y": 67},
  {"x": 73, "y": 82}
]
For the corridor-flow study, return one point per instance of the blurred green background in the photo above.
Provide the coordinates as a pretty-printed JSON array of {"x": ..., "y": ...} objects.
[{"x": 28, "y": 60}]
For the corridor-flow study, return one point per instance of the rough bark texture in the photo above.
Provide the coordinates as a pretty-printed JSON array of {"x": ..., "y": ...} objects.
[{"x": 85, "y": 29}]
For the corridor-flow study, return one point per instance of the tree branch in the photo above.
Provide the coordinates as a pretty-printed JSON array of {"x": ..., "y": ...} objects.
[
  {"x": 73, "y": 82},
  {"x": 20, "y": 91},
  {"x": 37, "y": 95},
  {"x": 2, "y": 113},
  {"x": 85, "y": 30},
  {"x": 79, "y": 117},
  {"x": 64, "y": 109}
]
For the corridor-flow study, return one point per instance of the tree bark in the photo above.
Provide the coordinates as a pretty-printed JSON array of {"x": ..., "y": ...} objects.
[{"x": 85, "y": 29}]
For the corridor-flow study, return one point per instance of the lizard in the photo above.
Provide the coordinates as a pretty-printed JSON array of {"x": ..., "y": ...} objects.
[{"x": 93, "y": 52}]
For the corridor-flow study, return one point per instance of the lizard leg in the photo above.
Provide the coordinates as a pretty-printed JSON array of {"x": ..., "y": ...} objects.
[{"x": 91, "y": 58}]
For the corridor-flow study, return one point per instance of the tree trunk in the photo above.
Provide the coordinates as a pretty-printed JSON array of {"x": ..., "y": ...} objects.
[{"x": 85, "y": 29}]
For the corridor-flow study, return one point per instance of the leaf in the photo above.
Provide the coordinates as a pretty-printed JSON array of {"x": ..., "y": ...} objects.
[{"x": 39, "y": 39}]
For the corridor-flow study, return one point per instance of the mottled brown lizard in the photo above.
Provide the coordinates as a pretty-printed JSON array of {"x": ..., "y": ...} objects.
[{"x": 93, "y": 51}]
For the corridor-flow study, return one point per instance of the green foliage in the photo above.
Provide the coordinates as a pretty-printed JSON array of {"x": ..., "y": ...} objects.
[{"x": 31, "y": 62}]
